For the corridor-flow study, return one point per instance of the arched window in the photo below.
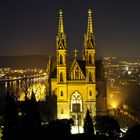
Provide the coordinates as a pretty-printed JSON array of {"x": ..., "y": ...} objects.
[
  {"x": 61, "y": 59},
  {"x": 90, "y": 77},
  {"x": 90, "y": 93},
  {"x": 62, "y": 111},
  {"x": 76, "y": 102},
  {"x": 90, "y": 59},
  {"x": 61, "y": 93},
  {"x": 61, "y": 77}
]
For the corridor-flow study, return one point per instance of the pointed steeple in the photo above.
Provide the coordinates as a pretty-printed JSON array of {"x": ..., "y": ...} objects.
[
  {"x": 89, "y": 42},
  {"x": 61, "y": 51},
  {"x": 89, "y": 38},
  {"x": 61, "y": 36},
  {"x": 61, "y": 27},
  {"x": 89, "y": 27}
]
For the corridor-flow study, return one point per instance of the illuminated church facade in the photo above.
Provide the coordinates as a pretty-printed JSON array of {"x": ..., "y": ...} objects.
[{"x": 74, "y": 82}]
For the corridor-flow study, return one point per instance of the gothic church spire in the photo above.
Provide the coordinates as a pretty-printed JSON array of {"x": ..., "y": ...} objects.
[
  {"x": 89, "y": 27},
  {"x": 61, "y": 27},
  {"x": 89, "y": 38},
  {"x": 89, "y": 42},
  {"x": 61, "y": 36}
]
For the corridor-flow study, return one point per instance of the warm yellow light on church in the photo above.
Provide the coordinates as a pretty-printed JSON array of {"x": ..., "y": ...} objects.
[
  {"x": 114, "y": 101},
  {"x": 114, "y": 104}
]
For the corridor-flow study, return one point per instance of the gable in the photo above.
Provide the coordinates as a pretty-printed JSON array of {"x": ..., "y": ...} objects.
[
  {"x": 90, "y": 44},
  {"x": 61, "y": 44},
  {"x": 76, "y": 72}
]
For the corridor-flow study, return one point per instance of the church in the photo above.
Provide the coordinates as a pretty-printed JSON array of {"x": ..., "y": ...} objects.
[{"x": 74, "y": 81}]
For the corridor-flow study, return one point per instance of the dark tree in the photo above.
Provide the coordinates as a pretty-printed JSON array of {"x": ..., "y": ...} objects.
[
  {"x": 31, "y": 120},
  {"x": 88, "y": 124},
  {"x": 133, "y": 133},
  {"x": 10, "y": 117},
  {"x": 35, "y": 114},
  {"x": 107, "y": 125},
  {"x": 51, "y": 101},
  {"x": 60, "y": 128}
]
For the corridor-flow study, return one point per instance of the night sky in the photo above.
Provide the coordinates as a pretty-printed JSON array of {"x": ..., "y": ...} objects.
[{"x": 30, "y": 27}]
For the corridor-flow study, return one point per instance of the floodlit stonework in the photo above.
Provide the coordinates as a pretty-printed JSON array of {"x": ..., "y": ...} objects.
[{"x": 73, "y": 81}]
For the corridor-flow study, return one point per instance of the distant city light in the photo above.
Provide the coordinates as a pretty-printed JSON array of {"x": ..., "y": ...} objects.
[
  {"x": 129, "y": 72},
  {"x": 126, "y": 68}
]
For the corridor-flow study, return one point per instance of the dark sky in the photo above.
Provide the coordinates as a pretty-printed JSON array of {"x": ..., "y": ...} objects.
[{"x": 30, "y": 26}]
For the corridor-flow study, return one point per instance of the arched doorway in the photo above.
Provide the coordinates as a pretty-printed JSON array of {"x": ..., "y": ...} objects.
[
  {"x": 76, "y": 102},
  {"x": 76, "y": 107}
]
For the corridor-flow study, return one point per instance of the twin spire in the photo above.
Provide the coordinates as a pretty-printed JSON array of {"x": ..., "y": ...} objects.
[{"x": 89, "y": 27}]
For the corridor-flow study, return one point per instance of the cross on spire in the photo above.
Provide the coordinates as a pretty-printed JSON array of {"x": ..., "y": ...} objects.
[{"x": 75, "y": 53}]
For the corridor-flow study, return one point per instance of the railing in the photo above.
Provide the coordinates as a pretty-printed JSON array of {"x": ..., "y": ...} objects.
[{"x": 76, "y": 81}]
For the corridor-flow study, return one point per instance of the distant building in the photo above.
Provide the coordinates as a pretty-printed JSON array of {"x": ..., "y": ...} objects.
[
  {"x": 101, "y": 88},
  {"x": 74, "y": 82}
]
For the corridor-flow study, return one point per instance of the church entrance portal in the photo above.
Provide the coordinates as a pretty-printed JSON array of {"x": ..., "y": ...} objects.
[
  {"x": 76, "y": 108},
  {"x": 76, "y": 111}
]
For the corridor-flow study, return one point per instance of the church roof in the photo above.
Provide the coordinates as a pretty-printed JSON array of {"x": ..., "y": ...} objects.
[
  {"x": 82, "y": 66},
  {"x": 98, "y": 64},
  {"x": 69, "y": 65}
]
